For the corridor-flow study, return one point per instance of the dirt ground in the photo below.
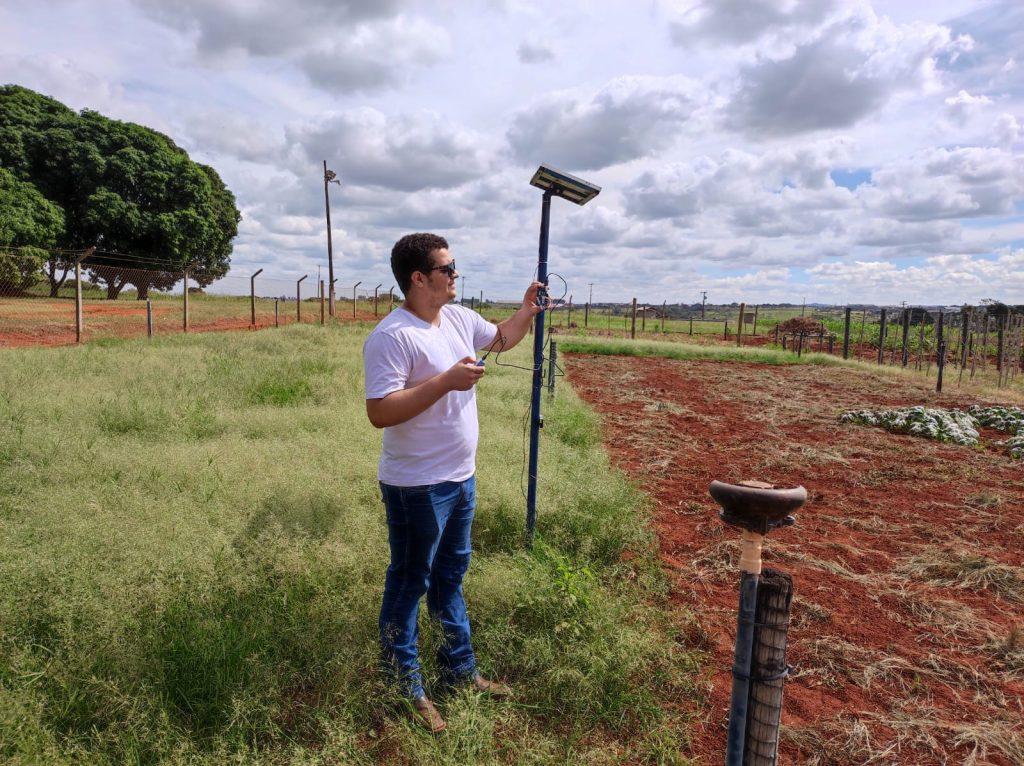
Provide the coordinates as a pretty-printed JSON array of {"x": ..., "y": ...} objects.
[{"x": 906, "y": 642}]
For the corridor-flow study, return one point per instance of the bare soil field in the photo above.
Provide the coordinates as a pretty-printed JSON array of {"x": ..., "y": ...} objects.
[{"x": 906, "y": 643}]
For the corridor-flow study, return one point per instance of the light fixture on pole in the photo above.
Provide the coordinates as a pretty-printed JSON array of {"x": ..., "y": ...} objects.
[
  {"x": 330, "y": 177},
  {"x": 554, "y": 183}
]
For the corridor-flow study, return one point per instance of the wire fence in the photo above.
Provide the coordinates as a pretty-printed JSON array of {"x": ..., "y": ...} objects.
[{"x": 58, "y": 297}]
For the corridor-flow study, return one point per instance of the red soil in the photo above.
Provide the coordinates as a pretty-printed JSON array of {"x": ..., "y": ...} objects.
[{"x": 876, "y": 500}]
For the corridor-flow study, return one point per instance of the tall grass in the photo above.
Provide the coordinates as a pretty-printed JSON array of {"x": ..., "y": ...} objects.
[{"x": 193, "y": 553}]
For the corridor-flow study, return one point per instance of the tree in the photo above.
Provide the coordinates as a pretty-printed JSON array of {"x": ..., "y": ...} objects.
[
  {"x": 30, "y": 223},
  {"x": 123, "y": 188}
]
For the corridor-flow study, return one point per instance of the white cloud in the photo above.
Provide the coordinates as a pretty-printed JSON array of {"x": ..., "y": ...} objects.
[
  {"x": 1008, "y": 129},
  {"x": 629, "y": 117},
  {"x": 403, "y": 152},
  {"x": 963, "y": 105},
  {"x": 342, "y": 46},
  {"x": 851, "y": 69},
  {"x": 743, "y": 21}
]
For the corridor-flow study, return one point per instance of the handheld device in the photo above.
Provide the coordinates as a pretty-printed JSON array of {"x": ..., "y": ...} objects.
[{"x": 542, "y": 296}]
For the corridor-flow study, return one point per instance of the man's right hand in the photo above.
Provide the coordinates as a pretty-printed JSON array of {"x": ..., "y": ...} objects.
[{"x": 463, "y": 375}]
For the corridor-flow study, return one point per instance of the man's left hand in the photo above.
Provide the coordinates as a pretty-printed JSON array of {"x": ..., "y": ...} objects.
[{"x": 530, "y": 299}]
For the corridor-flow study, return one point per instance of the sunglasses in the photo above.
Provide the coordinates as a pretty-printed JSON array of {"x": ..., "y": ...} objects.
[{"x": 448, "y": 268}]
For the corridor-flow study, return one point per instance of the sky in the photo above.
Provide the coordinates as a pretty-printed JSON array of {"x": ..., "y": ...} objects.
[{"x": 832, "y": 151}]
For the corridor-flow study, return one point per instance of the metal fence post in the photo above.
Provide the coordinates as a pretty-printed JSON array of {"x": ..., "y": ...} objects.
[
  {"x": 881, "y": 338},
  {"x": 321, "y": 301},
  {"x": 277, "y": 316},
  {"x": 754, "y": 332},
  {"x": 552, "y": 364},
  {"x": 184, "y": 314},
  {"x": 78, "y": 299},
  {"x": 149, "y": 318},
  {"x": 298, "y": 299},
  {"x": 632, "y": 332},
  {"x": 664, "y": 309},
  {"x": 739, "y": 325},
  {"x": 586, "y": 315},
  {"x": 846, "y": 333},
  {"x": 905, "y": 352},
  {"x": 252, "y": 294}
]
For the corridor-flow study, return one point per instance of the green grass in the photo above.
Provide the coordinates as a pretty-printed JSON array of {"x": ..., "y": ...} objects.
[
  {"x": 620, "y": 347},
  {"x": 193, "y": 554}
]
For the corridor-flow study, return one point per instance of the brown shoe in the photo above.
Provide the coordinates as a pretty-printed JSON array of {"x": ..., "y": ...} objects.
[
  {"x": 494, "y": 688},
  {"x": 427, "y": 716}
]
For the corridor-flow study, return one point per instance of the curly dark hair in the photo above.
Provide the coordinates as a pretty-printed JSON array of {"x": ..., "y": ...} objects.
[{"x": 412, "y": 253}]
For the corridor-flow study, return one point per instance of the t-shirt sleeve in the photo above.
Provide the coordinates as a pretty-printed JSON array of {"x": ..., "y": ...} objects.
[
  {"x": 484, "y": 332},
  {"x": 387, "y": 365}
]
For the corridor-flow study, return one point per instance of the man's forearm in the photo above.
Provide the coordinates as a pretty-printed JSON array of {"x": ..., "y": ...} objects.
[
  {"x": 513, "y": 329},
  {"x": 400, "y": 406}
]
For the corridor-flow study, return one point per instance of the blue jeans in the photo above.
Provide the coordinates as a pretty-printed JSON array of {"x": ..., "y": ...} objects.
[{"x": 429, "y": 535}]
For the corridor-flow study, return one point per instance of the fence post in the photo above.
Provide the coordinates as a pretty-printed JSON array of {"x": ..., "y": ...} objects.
[
  {"x": 643, "y": 319},
  {"x": 321, "y": 302},
  {"x": 846, "y": 333},
  {"x": 755, "y": 321},
  {"x": 632, "y": 333},
  {"x": 905, "y": 358},
  {"x": 252, "y": 294},
  {"x": 277, "y": 317},
  {"x": 184, "y": 321},
  {"x": 881, "y": 338},
  {"x": 739, "y": 325},
  {"x": 940, "y": 349},
  {"x": 149, "y": 318},
  {"x": 664, "y": 308},
  {"x": 691, "y": 326},
  {"x": 298, "y": 299},
  {"x": 586, "y": 315},
  {"x": 725, "y": 333},
  {"x": 777, "y": 334}
]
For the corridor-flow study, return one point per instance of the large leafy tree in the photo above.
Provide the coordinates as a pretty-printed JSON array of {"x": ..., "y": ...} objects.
[
  {"x": 28, "y": 223},
  {"x": 123, "y": 188}
]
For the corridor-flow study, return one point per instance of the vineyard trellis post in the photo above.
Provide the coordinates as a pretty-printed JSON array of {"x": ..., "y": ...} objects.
[
  {"x": 940, "y": 346},
  {"x": 904, "y": 357},
  {"x": 881, "y": 338},
  {"x": 846, "y": 333}
]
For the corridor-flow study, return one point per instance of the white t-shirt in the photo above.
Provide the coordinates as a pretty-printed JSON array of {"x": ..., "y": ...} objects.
[{"x": 403, "y": 351}]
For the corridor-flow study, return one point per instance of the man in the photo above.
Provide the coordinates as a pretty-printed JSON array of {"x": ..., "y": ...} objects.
[{"x": 420, "y": 375}]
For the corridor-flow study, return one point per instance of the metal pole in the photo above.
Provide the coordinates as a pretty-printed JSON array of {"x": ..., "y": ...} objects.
[
  {"x": 321, "y": 301},
  {"x": 905, "y": 351},
  {"x": 78, "y": 298},
  {"x": 755, "y": 321},
  {"x": 741, "y": 668},
  {"x": 330, "y": 247},
  {"x": 277, "y": 315},
  {"x": 354, "y": 298},
  {"x": 149, "y": 318},
  {"x": 586, "y": 316},
  {"x": 664, "y": 310},
  {"x": 739, "y": 326},
  {"x": 298, "y": 299},
  {"x": 536, "y": 419},
  {"x": 184, "y": 322},
  {"x": 846, "y": 333},
  {"x": 940, "y": 347},
  {"x": 252, "y": 294},
  {"x": 375, "y": 298},
  {"x": 881, "y": 338}
]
